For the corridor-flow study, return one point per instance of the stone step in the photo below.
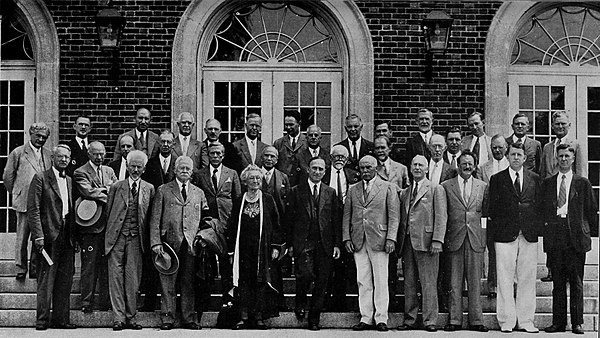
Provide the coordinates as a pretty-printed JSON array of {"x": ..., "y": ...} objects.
[{"x": 26, "y": 318}]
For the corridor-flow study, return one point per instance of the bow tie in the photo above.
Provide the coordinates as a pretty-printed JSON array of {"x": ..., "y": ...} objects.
[{"x": 62, "y": 174}]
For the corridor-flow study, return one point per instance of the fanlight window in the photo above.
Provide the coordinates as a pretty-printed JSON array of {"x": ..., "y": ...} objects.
[
  {"x": 561, "y": 36},
  {"x": 15, "y": 44},
  {"x": 273, "y": 33}
]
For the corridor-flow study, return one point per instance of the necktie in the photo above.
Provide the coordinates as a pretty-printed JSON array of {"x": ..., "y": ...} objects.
[
  {"x": 62, "y": 174},
  {"x": 134, "y": 189},
  {"x": 293, "y": 143},
  {"x": 165, "y": 166},
  {"x": 366, "y": 190},
  {"x": 100, "y": 175},
  {"x": 315, "y": 194},
  {"x": 183, "y": 192},
  {"x": 520, "y": 140},
  {"x": 253, "y": 152},
  {"x": 268, "y": 177},
  {"x": 476, "y": 148},
  {"x": 184, "y": 145},
  {"x": 453, "y": 161},
  {"x": 41, "y": 163},
  {"x": 562, "y": 193},
  {"x": 339, "y": 186},
  {"x": 142, "y": 140},
  {"x": 83, "y": 147},
  {"x": 354, "y": 152},
  {"x": 414, "y": 193},
  {"x": 214, "y": 179},
  {"x": 465, "y": 192},
  {"x": 518, "y": 185}
]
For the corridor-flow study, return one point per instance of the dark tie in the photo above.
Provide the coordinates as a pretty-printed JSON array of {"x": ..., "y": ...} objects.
[
  {"x": 414, "y": 193},
  {"x": 453, "y": 164},
  {"x": 64, "y": 175},
  {"x": 339, "y": 186},
  {"x": 214, "y": 179},
  {"x": 293, "y": 143},
  {"x": 134, "y": 189},
  {"x": 183, "y": 193},
  {"x": 165, "y": 167},
  {"x": 518, "y": 185},
  {"x": 83, "y": 147},
  {"x": 142, "y": 140},
  {"x": 562, "y": 193},
  {"x": 465, "y": 193},
  {"x": 354, "y": 152},
  {"x": 476, "y": 148},
  {"x": 100, "y": 175},
  {"x": 315, "y": 195}
]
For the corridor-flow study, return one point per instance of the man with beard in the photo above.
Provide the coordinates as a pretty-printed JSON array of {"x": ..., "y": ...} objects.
[
  {"x": 79, "y": 144},
  {"x": 290, "y": 145},
  {"x": 212, "y": 129},
  {"x": 184, "y": 143},
  {"x": 249, "y": 148},
  {"x": 143, "y": 139},
  {"x": 357, "y": 146},
  {"x": 120, "y": 166}
]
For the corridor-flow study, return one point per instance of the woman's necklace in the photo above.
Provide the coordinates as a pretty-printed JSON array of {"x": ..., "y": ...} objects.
[{"x": 252, "y": 197}]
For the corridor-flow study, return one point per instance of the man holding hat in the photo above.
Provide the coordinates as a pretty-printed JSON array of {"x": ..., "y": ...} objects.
[
  {"x": 174, "y": 230},
  {"x": 126, "y": 238}
]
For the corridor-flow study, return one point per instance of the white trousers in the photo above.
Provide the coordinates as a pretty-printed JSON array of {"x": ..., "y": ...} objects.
[
  {"x": 516, "y": 261},
  {"x": 372, "y": 280}
]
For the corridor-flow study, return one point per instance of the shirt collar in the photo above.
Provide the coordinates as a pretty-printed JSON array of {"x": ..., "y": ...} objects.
[
  {"x": 457, "y": 155},
  {"x": 79, "y": 140},
  {"x": 516, "y": 138},
  {"x": 57, "y": 174},
  {"x": 138, "y": 133},
  {"x": 95, "y": 167},
  {"x": 187, "y": 184},
  {"x": 36, "y": 150},
  {"x": 569, "y": 175},
  {"x": 311, "y": 184},
  {"x": 512, "y": 172},
  {"x": 249, "y": 141},
  {"x": 218, "y": 168},
  {"x": 426, "y": 135},
  {"x": 162, "y": 158},
  {"x": 131, "y": 180}
]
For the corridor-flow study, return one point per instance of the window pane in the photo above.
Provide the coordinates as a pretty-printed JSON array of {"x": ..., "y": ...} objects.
[
  {"x": 594, "y": 168},
  {"x": 323, "y": 94},
  {"x": 4, "y": 147},
  {"x": 12, "y": 221},
  {"x": 255, "y": 111},
  {"x": 324, "y": 119},
  {"x": 594, "y": 149},
  {"x": 3, "y": 196},
  {"x": 593, "y": 123},
  {"x": 3, "y": 220},
  {"x": 17, "y": 118},
  {"x": 307, "y": 94},
  {"x": 254, "y": 95},
  {"x": 221, "y": 94},
  {"x": 4, "y": 119},
  {"x": 239, "y": 118},
  {"x": 542, "y": 123},
  {"x": 541, "y": 97},
  {"x": 238, "y": 93},
  {"x": 17, "y": 92},
  {"x": 525, "y": 97},
  {"x": 3, "y": 92},
  {"x": 307, "y": 117},
  {"x": 326, "y": 140},
  {"x": 222, "y": 116},
  {"x": 558, "y": 98},
  {"x": 290, "y": 94},
  {"x": 593, "y": 98},
  {"x": 16, "y": 139},
  {"x": 543, "y": 140}
]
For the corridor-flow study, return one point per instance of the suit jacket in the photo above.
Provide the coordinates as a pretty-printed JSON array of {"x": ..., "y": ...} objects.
[
  {"x": 299, "y": 217},
  {"x": 533, "y": 150},
  {"x": 193, "y": 151},
  {"x": 581, "y": 215},
  {"x": 243, "y": 153},
  {"x": 78, "y": 156},
  {"x": 372, "y": 220},
  {"x": 486, "y": 171},
  {"x": 447, "y": 172},
  {"x": 219, "y": 202},
  {"x": 278, "y": 187},
  {"x": 416, "y": 146},
  {"x": 465, "y": 144},
  {"x": 511, "y": 213},
  {"x": 464, "y": 219},
  {"x": 153, "y": 144},
  {"x": 352, "y": 177},
  {"x": 90, "y": 187},
  {"x": 154, "y": 172},
  {"x": 231, "y": 157},
  {"x": 116, "y": 212},
  {"x": 44, "y": 208},
  {"x": 397, "y": 174},
  {"x": 425, "y": 217},
  {"x": 287, "y": 161},
  {"x": 303, "y": 157},
  {"x": 20, "y": 168},
  {"x": 549, "y": 166},
  {"x": 366, "y": 148},
  {"x": 174, "y": 219},
  {"x": 116, "y": 167}
]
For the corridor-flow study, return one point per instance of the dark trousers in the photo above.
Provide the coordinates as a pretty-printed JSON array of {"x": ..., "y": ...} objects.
[
  {"x": 148, "y": 286},
  {"x": 393, "y": 280},
  {"x": 184, "y": 281},
  {"x": 344, "y": 270},
  {"x": 491, "y": 269},
  {"x": 125, "y": 274},
  {"x": 443, "y": 281},
  {"x": 94, "y": 270},
  {"x": 313, "y": 265},
  {"x": 567, "y": 266},
  {"x": 252, "y": 299},
  {"x": 54, "y": 282}
]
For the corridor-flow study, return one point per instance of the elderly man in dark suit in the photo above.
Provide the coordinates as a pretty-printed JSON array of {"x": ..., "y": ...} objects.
[
  {"x": 357, "y": 145},
  {"x": 249, "y": 148},
  {"x": 50, "y": 218},
  {"x": 22, "y": 164},
  {"x": 313, "y": 149},
  {"x": 93, "y": 181},
  {"x": 422, "y": 231},
  {"x": 533, "y": 148},
  {"x": 370, "y": 228},
  {"x": 514, "y": 211},
  {"x": 184, "y": 143},
  {"x": 418, "y": 144},
  {"x": 143, "y": 139},
  {"x": 289, "y": 145},
  {"x": 212, "y": 129},
  {"x": 79, "y": 143},
  {"x": 161, "y": 169},
  {"x": 570, "y": 211},
  {"x": 127, "y": 237},
  {"x": 315, "y": 237},
  {"x": 120, "y": 166},
  {"x": 465, "y": 242},
  {"x": 178, "y": 208},
  {"x": 383, "y": 129}
]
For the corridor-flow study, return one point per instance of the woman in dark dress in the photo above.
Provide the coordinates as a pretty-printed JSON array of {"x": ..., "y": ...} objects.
[{"x": 256, "y": 240}]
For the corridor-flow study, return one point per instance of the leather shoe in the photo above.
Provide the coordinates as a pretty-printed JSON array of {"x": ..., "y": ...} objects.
[
  {"x": 66, "y": 326},
  {"x": 555, "y": 328},
  {"x": 86, "y": 309},
  {"x": 300, "y": 314},
  {"x": 577, "y": 329},
  {"x": 314, "y": 327},
  {"x": 260, "y": 325},
  {"x": 452, "y": 327},
  {"x": 133, "y": 326},
  {"x": 381, "y": 327},
  {"x": 192, "y": 326},
  {"x": 430, "y": 328},
  {"x": 547, "y": 278},
  {"x": 478, "y": 328},
  {"x": 241, "y": 325},
  {"x": 41, "y": 327},
  {"x": 362, "y": 326},
  {"x": 166, "y": 326},
  {"x": 405, "y": 327},
  {"x": 118, "y": 326},
  {"x": 21, "y": 276}
]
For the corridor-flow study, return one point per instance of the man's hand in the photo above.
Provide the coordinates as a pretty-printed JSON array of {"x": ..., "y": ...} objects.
[
  {"x": 336, "y": 252},
  {"x": 349, "y": 246},
  {"x": 436, "y": 247},
  {"x": 158, "y": 249},
  {"x": 39, "y": 244},
  {"x": 275, "y": 254},
  {"x": 389, "y": 246},
  {"x": 291, "y": 251}
]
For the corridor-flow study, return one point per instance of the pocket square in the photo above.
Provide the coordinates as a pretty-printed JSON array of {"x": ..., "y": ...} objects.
[{"x": 228, "y": 180}]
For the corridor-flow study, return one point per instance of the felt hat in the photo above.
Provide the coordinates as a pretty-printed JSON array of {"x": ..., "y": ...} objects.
[
  {"x": 167, "y": 263},
  {"x": 87, "y": 212}
]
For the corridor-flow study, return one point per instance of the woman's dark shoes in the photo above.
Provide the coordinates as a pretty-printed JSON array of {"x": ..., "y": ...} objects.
[
  {"x": 118, "y": 326},
  {"x": 555, "y": 328},
  {"x": 478, "y": 328},
  {"x": 241, "y": 325}
]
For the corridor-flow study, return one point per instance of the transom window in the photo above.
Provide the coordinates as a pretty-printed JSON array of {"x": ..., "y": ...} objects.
[{"x": 15, "y": 41}]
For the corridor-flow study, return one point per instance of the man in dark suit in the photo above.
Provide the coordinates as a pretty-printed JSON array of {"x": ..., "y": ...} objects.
[
  {"x": 79, "y": 144},
  {"x": 93, "y": 181},
  {"x": 176, "y": 214},
  {"x": 357, "y": 146},
  {"x": 514, "y": 205},
  {"x": 533, "y": 148},
  {"x": 313, "y": 149},
  {"x": 570, "y": 211},
  {"x": 50, "y": 218},
  {"x": 249, "y": 148},
  {"x": 383, "y": 129},
  {"x": 288, "y": 146},
  {"x": 143, "y": 139},
  {"x": 161, "y": 169},
  {"x": 184, "y": 143},
  {"x": 478, "y": 142},
  {"x": 418, "y": 143},
  {"x": 212, "y": 129},
  {"x": 453, "y": 151},
  {"x": 120, "y": 166},
  {"x": 465, "y": 242},
  {"x": 127, "y": 237},
  {"x": 315, "y": 237}
]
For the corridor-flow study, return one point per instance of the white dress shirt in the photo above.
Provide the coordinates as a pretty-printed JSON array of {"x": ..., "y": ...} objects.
[
  {"x": 268, "y": 174},
  {"x": 513, "y": 175},
  {"x": 358, "y": 143},
  {"x": 435, "y": 171},
  {"x": 185, "y": 143},
  {"x": 313, "y": 185},
  {"x": 563, "y": 211},
  {"x": 219, "y": 170},
  {"x": 333, "y": 182},
  {"x": 499, "y": 165},
  {"x": 314, "y": 152},
  {"x": 64, "y": 192},
  {"x": 483, "y": 150},
  {"x": 461, "y": 186},
  {"x": 123, "y": 169},
  {"x": 162, "y": 160},
  {"x": 426, "y": 136},
  {"x": 80, "y": 140},
  {"x": 251, "y": 148}
]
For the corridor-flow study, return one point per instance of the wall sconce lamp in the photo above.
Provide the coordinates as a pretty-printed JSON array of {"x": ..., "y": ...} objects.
[
  {"x": 110, "y": 25},
  {"x": 436, "y": 29}
]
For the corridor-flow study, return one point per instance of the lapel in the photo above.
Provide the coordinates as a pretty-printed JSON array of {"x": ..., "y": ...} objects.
[
  {"x": 194, "y": 144},
  {"x": 177, "y": 193},
  {"x": 246, "y": 150},
  {"x": 376, "y": 189},
  {"x": 527, "y": 181},
  {"x": 124, "y": 192},
  {"x": 54, "y": 183},
  {"x": 381, "y": 172},
  {"x": 30, "y": 156},
  {"x": 177, "y": 147},
  {"x": 92, "y": 173},
  {"x": 423, "y": 188},
  {"x": 455, "y": 189},
  {"x": 475, "y": 189},
  {"x": 151, "y": 142},
  {"x": 69, "y": 190},
  {"x": 207, "y": 178},
  {"x": 142, "y": 200},
  {"x": 323, "y": 197},
  {"x": 306, "y": 195},
  {"x": 222, "y": 178},
  {"x": 572, "y": 190}
]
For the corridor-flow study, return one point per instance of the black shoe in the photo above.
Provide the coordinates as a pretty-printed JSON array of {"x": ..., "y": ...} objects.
[
  {"x": 66, "y": 326},
  {"x": 577, "y": 329},
  {"x": 241, "y": 325},
  {"x": 41, "y": 327},
  {"x": 555, "y": 328},
  {"x": 452, "y": 327},
  {"x": 118, "y": 326},
  {"x": 192, "y": 326},
  {"x": 405, "y": 327},
  {"x": 314, "y": 327},
  {"x": 166, "y": 326},
  {"x": 300, "y": 314},
  {"x": 133, "y": 326},
  {"x": 430, "y": 328},
  {"x": 86, "y": 309},
  {"x": 547, "y": 278},
  {"x": 381, "y": 327},
  {"x": 260, "y": 325},
  {"x": 21, "y": 276},
  {"x": 362, "y": 326},
  {"x": 478, "y": 328}
]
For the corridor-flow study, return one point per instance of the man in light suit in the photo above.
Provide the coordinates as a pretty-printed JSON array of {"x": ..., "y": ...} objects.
[
  {"x": 184, "y": 143},
  {"x": 120, "y": 166},
  {"x": 315, "y": 238},
  {"x": 533, "y": 148},
  {"x": 514, "y": 204},
  {"x": 570, "y": 212},
  {"x": 143, "y": 139},
  {"x": 357, "y": 145},
  {"x": 93, "y": 181},
  {"x": 422, "y": 231},
  {"x": 79, "y": 144},
  {"x": 313, "y": 149},
  {"x": 177, "y": 211},
  {"x": 418, "y": 144},
  {"x": 370, "y": 229},
  {"x": 127, "y": 237},
  {"x": 22, "y": 164},
  {"x": 465, "y": 242},
  {"x": 50, "y": 218},
  {"x": 288, "y": 146},
  {"x": 249, "y": 148},
  {"x": 478, "y": 142}
]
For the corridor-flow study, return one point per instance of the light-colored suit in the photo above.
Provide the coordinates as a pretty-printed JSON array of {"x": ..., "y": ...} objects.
[
  {"x": 125, "y": 251},
  {"x": 423, "y": 220},
  {"x": 243, "y": 153},
  {"x": 465, "y": 242},
  {"x": 549, "y": 165},
  {"x": 465, "y": 144},
  {"x": 193, "y": 150},
  {"x": 396, "y": 174},
  {"x": 20, "y": 168},
  {"x": 368, "y": 222}
]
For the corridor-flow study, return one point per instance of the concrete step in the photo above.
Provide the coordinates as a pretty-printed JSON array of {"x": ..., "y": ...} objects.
[{"x": 26, "y": 318}]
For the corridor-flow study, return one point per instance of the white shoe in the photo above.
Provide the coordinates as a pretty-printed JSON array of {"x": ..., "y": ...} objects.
[{"x": 529, "y": 329}]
